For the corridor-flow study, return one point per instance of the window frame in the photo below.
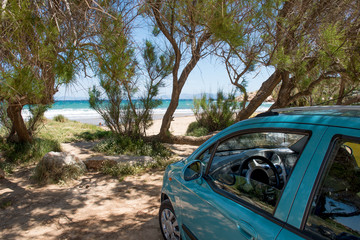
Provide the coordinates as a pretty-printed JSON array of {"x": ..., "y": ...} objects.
[
  {"x": 238, "y": 200},
  {"x": 317, "y": 184}
]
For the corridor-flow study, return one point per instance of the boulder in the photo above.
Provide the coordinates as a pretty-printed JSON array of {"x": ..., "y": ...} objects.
[
  {"x": 61, "y": 159},
  {"x": 56, "y": 166}
]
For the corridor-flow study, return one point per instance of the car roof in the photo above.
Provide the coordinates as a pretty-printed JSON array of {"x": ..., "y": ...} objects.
[{"x": 336, "y": 116}]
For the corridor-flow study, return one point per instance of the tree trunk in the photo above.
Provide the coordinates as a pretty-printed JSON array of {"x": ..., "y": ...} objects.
[
  {"x": 14, "y": 113},
  {"x": 168, "y": 116},
  {"x": 265, "y": 90},
  {"x": 284, "y": 95},
  {"x": 341, "y": 91}
]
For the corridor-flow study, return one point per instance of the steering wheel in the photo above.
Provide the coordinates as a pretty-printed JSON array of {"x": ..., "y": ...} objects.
[{"x": 253, "y": 166}]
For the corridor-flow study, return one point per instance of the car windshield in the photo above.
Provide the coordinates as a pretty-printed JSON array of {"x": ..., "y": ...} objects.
[{"x": 260, "y": 140}]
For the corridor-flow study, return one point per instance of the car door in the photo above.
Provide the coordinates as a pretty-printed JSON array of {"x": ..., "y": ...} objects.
[
  {"x": 327, "y": 204},
  {"x": 211, "y": 210}
]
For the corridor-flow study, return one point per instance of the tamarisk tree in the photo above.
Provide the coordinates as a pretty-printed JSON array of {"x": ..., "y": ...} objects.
[{"x": 43, "y": 45}]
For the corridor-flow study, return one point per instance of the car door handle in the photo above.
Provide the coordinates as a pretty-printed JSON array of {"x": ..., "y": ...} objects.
[{"x": 247, "y": 230}]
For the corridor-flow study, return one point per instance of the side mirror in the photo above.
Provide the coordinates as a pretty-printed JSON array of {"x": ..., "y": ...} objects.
[{"x": 193, "y": 170}]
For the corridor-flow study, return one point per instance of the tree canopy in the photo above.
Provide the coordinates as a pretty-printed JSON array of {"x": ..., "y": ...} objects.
[{"x": 312, "y": 46}]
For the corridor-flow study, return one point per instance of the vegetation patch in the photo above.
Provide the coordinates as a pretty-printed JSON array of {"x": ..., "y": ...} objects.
[
  {"x": 45, "y": 173},
  {"x": 7, "y": 167},
  {"x": 5, "y": 204},
  {"x": 60, "y": 118},
  {"x": 213, "y": 114},
  {"x": 122, "y": 170},
  {"x": 196, "y": 130},
  {"x": 48, "y": 139},
  {"x": 71, "y": 131},
  {"x": 17, "y": 153},
  {"x": 138, "y": 147}
]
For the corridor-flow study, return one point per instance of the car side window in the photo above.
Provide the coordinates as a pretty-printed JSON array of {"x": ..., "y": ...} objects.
[
  {"x": 255, "y": 167},
  {"x": 335, "y": 210},
  {"x": 205, "y": 156}
]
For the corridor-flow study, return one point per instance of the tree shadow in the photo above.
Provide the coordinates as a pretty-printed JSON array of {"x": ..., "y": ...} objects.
[{"x": 94, "y": 207}]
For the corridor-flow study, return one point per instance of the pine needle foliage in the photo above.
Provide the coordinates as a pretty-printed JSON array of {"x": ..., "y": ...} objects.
[{"x": 215, "y": 114}]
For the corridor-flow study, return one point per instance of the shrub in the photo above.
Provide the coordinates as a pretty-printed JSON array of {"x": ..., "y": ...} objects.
[
  {"x": 53, "y": 174},
  {"x": 7, "y": 167},
  {"x": 122, "y": 113},
  {"x": 37, "y": 118},
  {"x": 29, "y": 152},
  {"x": 121, "y": 170},
  {"x": 60, "y": 118},
  {"x": 132, "y": 146},
  {"x": 5, "y": 123},
  {"x": 215, "y": 114},
  {"x": 93, "y": 135},
  {"x": 195, "y": 129}
]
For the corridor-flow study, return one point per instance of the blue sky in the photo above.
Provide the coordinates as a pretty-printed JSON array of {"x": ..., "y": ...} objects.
[{"x": 208, "y": 76}]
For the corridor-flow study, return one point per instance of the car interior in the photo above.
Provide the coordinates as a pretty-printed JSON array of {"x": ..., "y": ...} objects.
[{"x": 260, "y": 172}]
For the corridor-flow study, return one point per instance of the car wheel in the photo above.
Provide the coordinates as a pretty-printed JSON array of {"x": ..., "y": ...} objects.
[{"x": 168, "y": 222}]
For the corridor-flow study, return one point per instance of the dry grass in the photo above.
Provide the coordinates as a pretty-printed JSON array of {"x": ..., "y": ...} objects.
[{"x": 71, "y": 131}]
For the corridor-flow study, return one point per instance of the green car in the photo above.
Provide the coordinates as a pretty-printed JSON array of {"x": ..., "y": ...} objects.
[{"x": 286, "y": 174}]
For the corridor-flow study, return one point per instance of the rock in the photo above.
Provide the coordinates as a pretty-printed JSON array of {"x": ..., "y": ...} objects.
[
  {"x": 97, "y": 162},
  {"x": 56, "y": 166},
  {"x": 61, "y": 159}
]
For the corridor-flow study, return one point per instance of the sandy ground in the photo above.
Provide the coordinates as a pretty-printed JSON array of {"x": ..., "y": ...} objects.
[
  {"x": 92, "y": 207},
  {"x": 178, "y": 125}
]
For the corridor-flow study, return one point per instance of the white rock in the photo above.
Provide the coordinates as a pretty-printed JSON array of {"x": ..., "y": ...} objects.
[{"x": 61, "y": 159}]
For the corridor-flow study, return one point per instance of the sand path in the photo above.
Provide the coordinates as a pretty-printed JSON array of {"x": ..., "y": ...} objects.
[{"x": 92, "y": 207}]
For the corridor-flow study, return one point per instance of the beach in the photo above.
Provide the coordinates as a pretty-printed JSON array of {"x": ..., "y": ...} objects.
[
  {"x": 79, "y": 110},
  {"x": 178, "y": 126}
]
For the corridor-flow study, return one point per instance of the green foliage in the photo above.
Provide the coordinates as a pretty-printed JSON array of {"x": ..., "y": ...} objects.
[
  {"x": 7, "y": 167},
  {"x": 121, "y": 170},
  {"x": 123, "y": 114},
  {"x": 49, "y": 139},
  {"x": 5, "y": 123},
  {"x": 36, "y": 61},
  {"x": 215, "y": 114},
  {"x": 131, "y": 146},
  {"x": 158, "y": 67},
  {"x": 33, "y": 125},
  {"x": 93, "y": 135},
  {"x": 41, "y": 49},
  {"x": 19, "y": 153},
  {"x": 320, "y": 59},
  {"x": 115, "y": 64},
  {"x": 196, "y": 130},
  {"x": 37, "y": 117},
  {"x": 60, "y": 118}
]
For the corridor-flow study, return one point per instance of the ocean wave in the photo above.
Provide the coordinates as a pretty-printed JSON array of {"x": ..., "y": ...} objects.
[{"x": 86, "y": 113}]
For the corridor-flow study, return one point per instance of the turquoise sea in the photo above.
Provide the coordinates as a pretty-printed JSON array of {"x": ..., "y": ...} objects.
[{"x": 79, "y": 110}]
